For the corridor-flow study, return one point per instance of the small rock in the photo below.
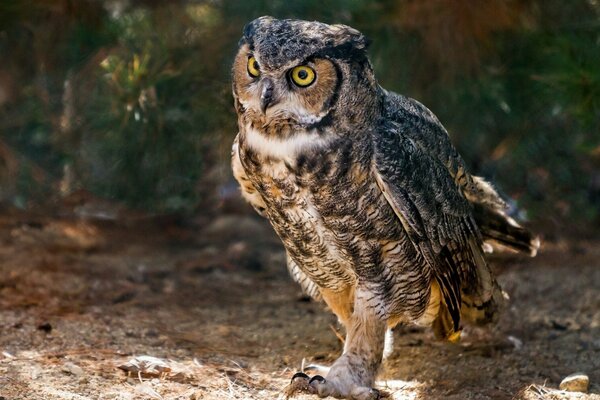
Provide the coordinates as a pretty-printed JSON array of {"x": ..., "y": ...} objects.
[
  {"x": 516, "y": 342},
  {"x": 73, "y": 369},
  {"x": 146, "y": 366},
  {"x": 577, "y": 382}
]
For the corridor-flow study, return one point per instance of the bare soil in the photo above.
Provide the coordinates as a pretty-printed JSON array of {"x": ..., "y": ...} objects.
[{"x": 213, "y": 301}]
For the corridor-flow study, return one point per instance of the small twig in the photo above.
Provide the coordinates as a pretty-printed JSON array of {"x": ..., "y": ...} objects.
[
  {"x": 230, "y": 385},
  {"x": 236, "y": 364},
  {"x": 7, "y": 355}
]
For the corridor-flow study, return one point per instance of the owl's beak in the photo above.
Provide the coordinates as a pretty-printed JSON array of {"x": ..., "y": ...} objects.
[{"x": 266, "y": 96}]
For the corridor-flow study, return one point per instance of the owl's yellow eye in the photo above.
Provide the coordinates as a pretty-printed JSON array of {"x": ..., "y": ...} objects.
[
  {"x": 253, "y": 67},
  {"x": 303, "y": 75}
]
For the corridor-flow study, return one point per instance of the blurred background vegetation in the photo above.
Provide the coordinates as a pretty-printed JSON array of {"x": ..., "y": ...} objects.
[{"x": 129, "y": 100}]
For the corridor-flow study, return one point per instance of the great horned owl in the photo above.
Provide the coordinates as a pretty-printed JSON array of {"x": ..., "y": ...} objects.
[{"x": 377, "y": 212}]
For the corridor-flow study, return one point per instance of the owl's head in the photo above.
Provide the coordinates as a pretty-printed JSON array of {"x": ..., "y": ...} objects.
[{"x": 291, "y": 73}]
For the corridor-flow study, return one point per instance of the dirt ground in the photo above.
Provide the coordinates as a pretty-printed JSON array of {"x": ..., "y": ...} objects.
[{"x": 212, "y": 301}]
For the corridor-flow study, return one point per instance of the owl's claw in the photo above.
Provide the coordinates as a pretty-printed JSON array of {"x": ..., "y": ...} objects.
[
  {"x": 320, "y": 386},
  {"x": 314, "y": 384},
  {"x": 299, "y": 376}
]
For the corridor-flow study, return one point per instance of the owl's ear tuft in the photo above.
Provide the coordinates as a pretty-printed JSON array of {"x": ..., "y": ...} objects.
[
  {"x": 366, "y": 41},
  {"x": 353, "y": 36},
  {"x": 251, "y": 27},
  {"x": 361, "y": 42}
]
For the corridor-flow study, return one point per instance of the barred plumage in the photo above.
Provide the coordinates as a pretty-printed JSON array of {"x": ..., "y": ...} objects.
[{"x": 373, "y": 204}]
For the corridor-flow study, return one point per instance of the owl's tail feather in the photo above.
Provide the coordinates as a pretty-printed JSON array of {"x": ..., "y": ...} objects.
[
  {"x": 472, "y": 311},
  {"x": 443, "y": 325},
  {"x": 483, "y": 313},
  {"x": 504, "y": 233}
]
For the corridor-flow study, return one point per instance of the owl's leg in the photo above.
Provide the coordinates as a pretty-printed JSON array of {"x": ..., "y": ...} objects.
[
  {"x": 353, "y": 374},
  {"x": 388, "y": 349},
  {"x": 342, "y": 304}
]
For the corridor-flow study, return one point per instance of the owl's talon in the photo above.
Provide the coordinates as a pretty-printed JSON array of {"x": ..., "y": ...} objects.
[
  {"x": 317, "y": 378},
  {"x": 319, "y": 386},
  {"x": 299, "y": 376}
]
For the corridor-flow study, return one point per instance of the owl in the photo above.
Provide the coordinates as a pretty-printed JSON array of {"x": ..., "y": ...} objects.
[{"x": 378, "y": 214}]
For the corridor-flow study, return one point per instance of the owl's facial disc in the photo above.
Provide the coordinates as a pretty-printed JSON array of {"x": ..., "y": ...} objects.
[{"x": 297, "y": 93}]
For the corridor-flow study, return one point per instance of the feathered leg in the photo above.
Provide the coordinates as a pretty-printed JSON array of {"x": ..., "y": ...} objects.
[
  {"x": 353, "y": 374},
  {"x": 342, "y": 305}
]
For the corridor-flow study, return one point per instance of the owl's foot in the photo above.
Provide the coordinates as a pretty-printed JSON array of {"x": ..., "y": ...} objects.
[
  {"x": 301, "y": 381},
  {"x": 353, "y": 374},
  {"x": 340, "y": 385},
  {"x": 323, "y": 388}
]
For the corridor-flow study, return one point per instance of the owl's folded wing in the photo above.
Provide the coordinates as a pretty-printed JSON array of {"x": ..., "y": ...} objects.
[
  {"x": 431, "y": 136},
  {"x": 490, "y": 209},
  {"x": 435, "y": 215}
]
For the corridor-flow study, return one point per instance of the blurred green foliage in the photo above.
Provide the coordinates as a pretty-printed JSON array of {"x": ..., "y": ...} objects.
[{"x": 133, "y": 97}]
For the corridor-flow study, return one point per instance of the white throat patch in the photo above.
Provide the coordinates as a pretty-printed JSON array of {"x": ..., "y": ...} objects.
[{"x": 282, "y": 148}]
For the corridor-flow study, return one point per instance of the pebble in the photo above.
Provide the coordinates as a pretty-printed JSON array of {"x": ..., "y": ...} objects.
[
  {"x": 577, "y": 382},
  {"x": 516, "y": 342},
  {"x": 146, "y": 365},
  {"x": 73, "y": 369}
]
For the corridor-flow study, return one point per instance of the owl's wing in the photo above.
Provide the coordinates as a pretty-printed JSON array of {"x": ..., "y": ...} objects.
[
  {"x": 490, "y": 209},
  {"x": 433, "y": 138},
  {"x": 435, "y": 214}
]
